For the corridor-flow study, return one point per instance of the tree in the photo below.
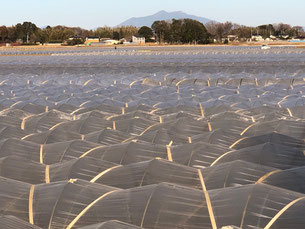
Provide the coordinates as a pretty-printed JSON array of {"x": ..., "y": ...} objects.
[
  {"x": 121, "y": 33},
  {"x": 220, "y": 30},
  {"x": 25, "y": 30},
  {"x": 3, "y": 33},
  {"x": 116, "y": 35},
  {"x": 176, "y": 30},
  {"x": 282, "y": 29},
  {"x": 29, "y": 28},
  {"x": 181, "y": 31},
  {"x": 227, "y": 28},
  {"x": 194, "y": 32},
  {"x": 58, "y": 34},
  {"x": 126, "y": 31},
  {"x": 161, "y": 30},
  {"x": 243, "y": 32},
  {"x": 217, "y": 30},
  {"x": 299, "y": 31},
  {"x": 43, "y": 36},
  {"x": 12, "y": 35},
  {"x": 19, "y": 32},
  {"x": 265, "y": 30},
  {"x": 146, "y": 32}
]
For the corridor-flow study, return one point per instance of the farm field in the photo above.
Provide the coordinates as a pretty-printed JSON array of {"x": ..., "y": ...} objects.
[{"x": 152, "y": 137}]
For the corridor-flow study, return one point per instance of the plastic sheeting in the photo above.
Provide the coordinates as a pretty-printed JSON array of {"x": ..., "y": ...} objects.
[
  {"x": 219, "y": 146},
  {"x": 12, "y": 222}
]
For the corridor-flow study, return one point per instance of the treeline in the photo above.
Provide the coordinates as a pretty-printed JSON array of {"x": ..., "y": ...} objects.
[
  {"x": 191, "y": 31},
  {"x": 29, "y": 33},
  {"x": 181, "y": 32},
  {"x": 219, "y": 31},
  {"x": 172, "y": 32}
]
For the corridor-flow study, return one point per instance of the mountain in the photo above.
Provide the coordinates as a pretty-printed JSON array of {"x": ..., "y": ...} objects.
[{"x": 162, "y": 15}]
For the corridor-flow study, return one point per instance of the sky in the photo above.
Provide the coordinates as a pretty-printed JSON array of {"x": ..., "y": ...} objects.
[{"x": 95, "y": 13}]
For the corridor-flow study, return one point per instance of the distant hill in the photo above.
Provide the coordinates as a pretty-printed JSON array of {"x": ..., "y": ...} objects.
[{"x": 162, "y": 15}]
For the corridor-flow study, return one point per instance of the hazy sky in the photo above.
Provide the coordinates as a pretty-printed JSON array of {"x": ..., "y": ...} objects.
[{"x": 94, "y": 13}]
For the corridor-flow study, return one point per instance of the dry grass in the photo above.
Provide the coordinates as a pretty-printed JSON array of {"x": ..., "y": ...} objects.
[{"x": 71, "y": 48}]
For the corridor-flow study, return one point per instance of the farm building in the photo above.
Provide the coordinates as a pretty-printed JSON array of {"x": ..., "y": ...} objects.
[
  {"x": 138, "y": 40},
  {"x": 90, "y": 40}
]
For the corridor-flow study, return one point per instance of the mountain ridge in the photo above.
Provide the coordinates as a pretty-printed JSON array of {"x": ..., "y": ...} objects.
[{"x": 161, "y": 15}]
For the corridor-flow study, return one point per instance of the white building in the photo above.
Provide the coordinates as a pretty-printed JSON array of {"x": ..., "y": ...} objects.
[
  {"x": 232, "y": 38},
  {"x": 273, "y": 37},
  {"x": 110, "y": 42},
  {"x": 138, "y": 40},
  {"x": 257, "y": 38}
]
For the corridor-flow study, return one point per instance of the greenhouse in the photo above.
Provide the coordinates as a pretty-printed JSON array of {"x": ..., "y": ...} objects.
[{"x": 157, "y": 140}]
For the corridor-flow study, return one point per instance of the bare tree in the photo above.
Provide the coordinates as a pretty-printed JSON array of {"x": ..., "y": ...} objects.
[{"x": 219, "y": 30}]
